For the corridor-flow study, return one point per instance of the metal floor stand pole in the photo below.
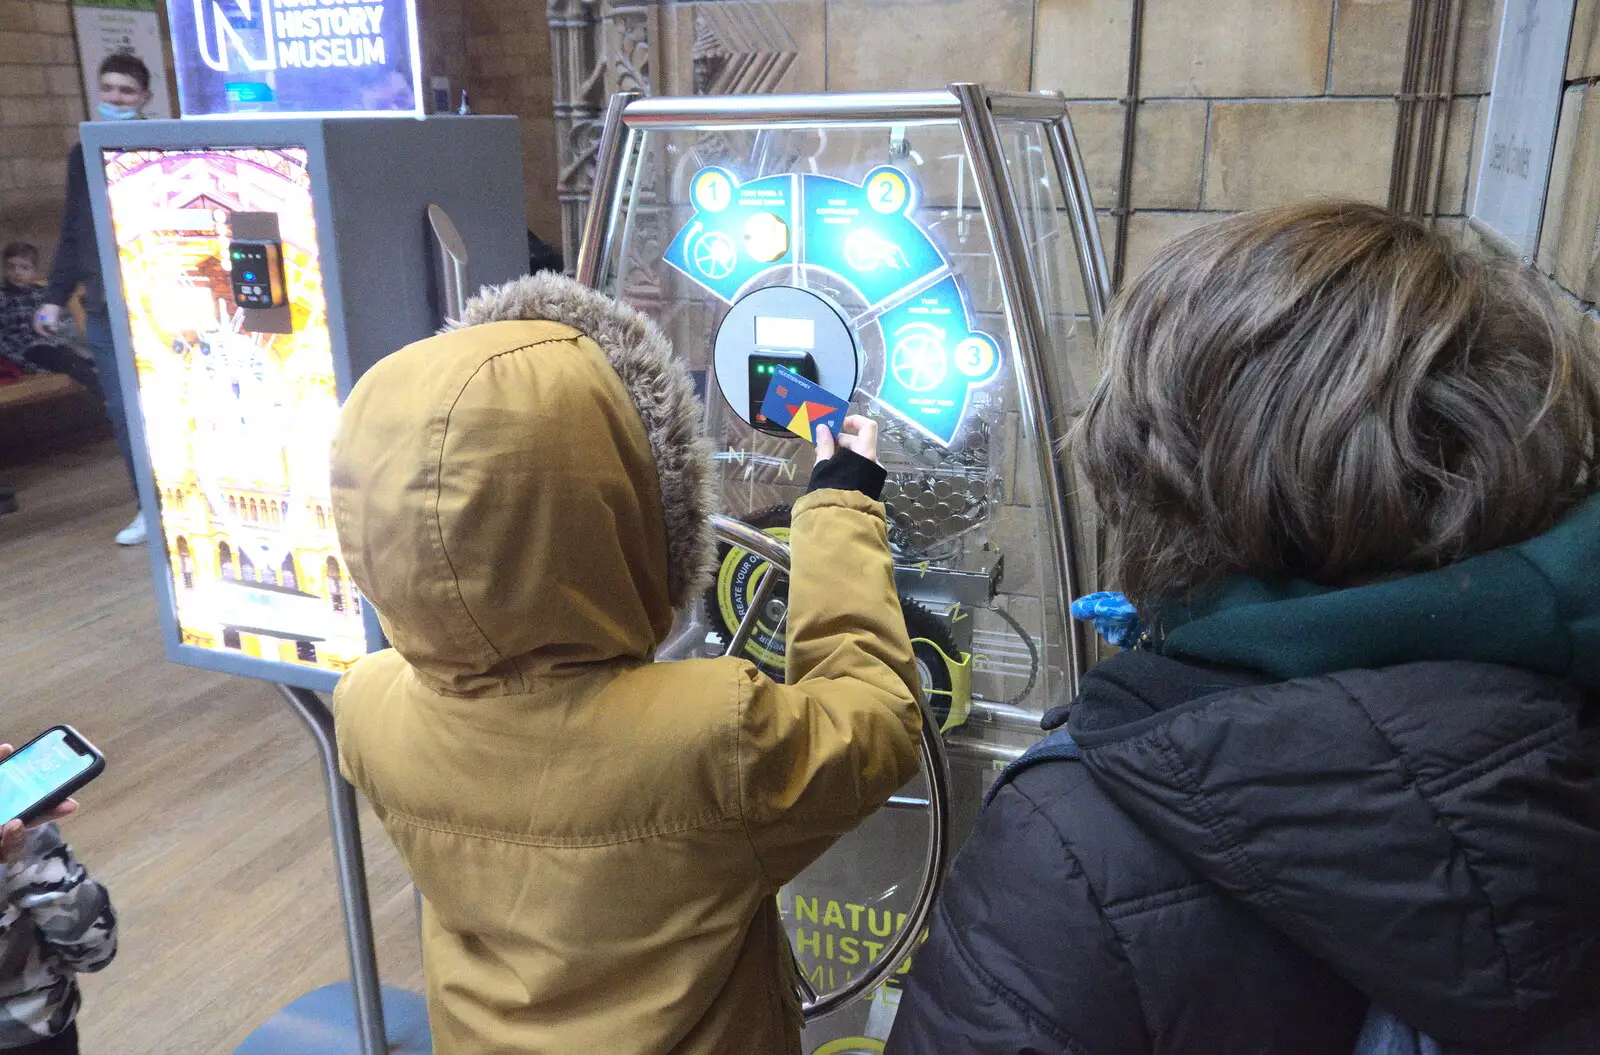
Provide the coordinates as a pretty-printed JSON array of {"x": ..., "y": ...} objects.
[{"x": 345, "y": 821}]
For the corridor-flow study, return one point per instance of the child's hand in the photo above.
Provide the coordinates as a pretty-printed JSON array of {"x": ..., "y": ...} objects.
[
  {"x": 860, "y": 435},
  {"x": 14, "y": 836},
  {"x": 48, "y": 320}
]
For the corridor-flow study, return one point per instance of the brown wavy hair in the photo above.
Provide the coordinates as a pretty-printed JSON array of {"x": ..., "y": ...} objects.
[{"x": 1331, "y": 392}]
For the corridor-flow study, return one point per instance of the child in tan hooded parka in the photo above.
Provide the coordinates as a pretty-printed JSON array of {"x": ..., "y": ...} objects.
[{"x": 598, "y": 837}]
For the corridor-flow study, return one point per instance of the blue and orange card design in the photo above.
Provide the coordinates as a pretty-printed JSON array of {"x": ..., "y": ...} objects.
[{"x": 800, "y": 405}]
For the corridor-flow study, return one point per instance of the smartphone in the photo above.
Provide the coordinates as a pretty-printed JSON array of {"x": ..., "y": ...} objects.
[{"x": 45, "y": 771}]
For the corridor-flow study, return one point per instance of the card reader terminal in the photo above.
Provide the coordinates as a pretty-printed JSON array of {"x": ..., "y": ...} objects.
[{"x": 763, "y": 365}]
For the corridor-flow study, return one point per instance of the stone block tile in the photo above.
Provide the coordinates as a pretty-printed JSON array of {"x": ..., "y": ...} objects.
[
  {"x": 63, "y": 80},
  {"x": 1480, "y": 129},
  {"x": 911, "y": 44},
  {"x": 1369, "y": 46},
  {"x": 1098, "y": 128},
  {"x": 1480, "y": 32},
  {"x": 1080, "y": 48},
  {"x": 16, "y": 15},
  {"x": 1460, "y": 154},
  {"x": 34, "y": 141},
  {"x": 1561, "y": 173},
  {"x": 1149, "y": 231},
  {"x": 1269, "y": 153},
  {"x": 17, "y": 79},
  {"x": 1236, "y": 48},
  {"x": 25, "y": 47},
  {"x": 481, "y": 45},
  {"x": 52, "y": 18},
  {"x": 40, "y": 173},
  {"x": 1169, "y": 155},
  {"x": 1585, "y": 322},
  {"x": 29, "y": 110},
  {"x": 1577, "y": 256},
  {"x": 1583, "y": 54}
]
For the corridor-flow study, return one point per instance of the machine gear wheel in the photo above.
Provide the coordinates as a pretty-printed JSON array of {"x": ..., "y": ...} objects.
[{"x": 740, "y": 573}]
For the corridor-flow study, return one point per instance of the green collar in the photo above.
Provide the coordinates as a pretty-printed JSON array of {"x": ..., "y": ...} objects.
[{"x": 1535, "y": 605}]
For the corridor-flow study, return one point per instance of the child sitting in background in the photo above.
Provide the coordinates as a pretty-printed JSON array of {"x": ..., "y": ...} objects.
[
  {"x": 20, "y": 346},
  {"x": 55, "y": 923},
  {"x": 599, "y": 837}
]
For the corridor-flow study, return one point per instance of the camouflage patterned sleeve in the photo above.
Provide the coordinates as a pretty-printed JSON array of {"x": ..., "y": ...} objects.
[{"x": 71, "y": 912}]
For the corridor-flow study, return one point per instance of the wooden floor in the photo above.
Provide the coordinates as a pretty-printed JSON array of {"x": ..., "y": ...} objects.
[{"x": 209, "y": 825}]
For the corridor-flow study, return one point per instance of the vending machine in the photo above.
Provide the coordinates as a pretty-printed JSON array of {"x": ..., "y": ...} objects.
[
  {"x": 933, "y": 259},
  {"x": 303, "y": 220}
]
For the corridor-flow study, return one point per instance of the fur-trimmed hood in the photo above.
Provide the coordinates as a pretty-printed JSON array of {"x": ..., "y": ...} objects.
[{"x": 527, "y": 493}]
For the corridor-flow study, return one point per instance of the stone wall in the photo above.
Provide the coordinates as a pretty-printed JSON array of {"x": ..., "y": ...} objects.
[
  {"x": 1242, "y": 103},
  {"x": 41, "y": 103},
  {"x": 1569, "y": 243}
]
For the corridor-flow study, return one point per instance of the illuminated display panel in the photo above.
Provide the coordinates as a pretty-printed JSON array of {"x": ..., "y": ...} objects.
[
  {"x": 238, "y": 424},
  {"x": 272, "y": 58},
  {"x": 866, "y": 238},
  {"x": 785, "y": 333}
]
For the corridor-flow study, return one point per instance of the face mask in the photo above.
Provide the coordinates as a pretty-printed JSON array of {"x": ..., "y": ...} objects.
[{"x": 113, "y": 112}]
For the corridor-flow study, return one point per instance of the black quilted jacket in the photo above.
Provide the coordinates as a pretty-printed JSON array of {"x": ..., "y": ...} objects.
[{"x": 1244, "y": 858}]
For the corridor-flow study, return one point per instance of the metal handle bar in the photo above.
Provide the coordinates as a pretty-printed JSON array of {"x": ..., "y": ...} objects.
[{"x": 935, "y": 764}]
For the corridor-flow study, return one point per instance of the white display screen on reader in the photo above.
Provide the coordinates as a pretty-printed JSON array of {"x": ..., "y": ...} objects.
[{"x": 785, "y": 333}]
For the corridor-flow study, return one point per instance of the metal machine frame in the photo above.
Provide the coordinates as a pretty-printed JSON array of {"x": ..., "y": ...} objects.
[
  {"x": 975, "y": 110},
  {"x": 1044, "y": 406}
]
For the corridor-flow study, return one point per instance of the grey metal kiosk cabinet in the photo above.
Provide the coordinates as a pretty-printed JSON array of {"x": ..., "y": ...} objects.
[{"x": 254, "y": 270}]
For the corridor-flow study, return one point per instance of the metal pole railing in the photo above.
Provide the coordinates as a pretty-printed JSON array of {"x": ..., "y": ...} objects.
[
  {"x": 616, "y": 143},
  {"x": 1036, "y": 381},
  {"x": 345, "y": 820}
]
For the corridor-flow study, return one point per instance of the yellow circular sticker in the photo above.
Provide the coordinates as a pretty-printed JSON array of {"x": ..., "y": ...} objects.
[
  {"x": 766, "y": 237},
  {"x": 887, "y": 192},
  {"x": 713, "y": 190}
]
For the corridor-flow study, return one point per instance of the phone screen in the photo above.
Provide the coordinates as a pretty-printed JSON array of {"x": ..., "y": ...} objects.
[{"x": 37, "y": 770}]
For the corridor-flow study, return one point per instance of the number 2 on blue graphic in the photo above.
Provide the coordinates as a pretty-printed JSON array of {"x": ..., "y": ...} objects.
[{"x": 888, "y": 191}]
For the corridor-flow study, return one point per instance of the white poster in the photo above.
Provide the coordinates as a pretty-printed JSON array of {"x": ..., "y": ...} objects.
[
  {"x": 106, "y": 27},
  {"x": 1524, "y": 104}
]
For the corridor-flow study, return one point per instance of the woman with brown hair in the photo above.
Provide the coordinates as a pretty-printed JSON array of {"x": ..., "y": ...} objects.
[{"x": 1351, "y": 773}]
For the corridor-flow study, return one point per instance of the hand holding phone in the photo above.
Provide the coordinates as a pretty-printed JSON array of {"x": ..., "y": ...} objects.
[{"x": 37, "y": 781}]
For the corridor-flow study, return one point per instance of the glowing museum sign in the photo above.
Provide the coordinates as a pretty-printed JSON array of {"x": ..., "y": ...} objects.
[{"x": 258, "y": 58}]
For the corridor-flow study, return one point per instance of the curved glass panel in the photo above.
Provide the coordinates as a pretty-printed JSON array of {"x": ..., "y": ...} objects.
[{"x": 886, "y": 224}]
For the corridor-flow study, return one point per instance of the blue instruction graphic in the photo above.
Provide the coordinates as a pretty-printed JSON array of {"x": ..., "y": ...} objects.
[
  {"x": 933, "y": 359},
  {"x": 863, "y": 233},
  {"x": 738, "y": 231}
]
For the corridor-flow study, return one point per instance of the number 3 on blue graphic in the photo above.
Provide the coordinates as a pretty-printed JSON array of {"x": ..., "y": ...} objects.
[{"x": 888, "y": 191}]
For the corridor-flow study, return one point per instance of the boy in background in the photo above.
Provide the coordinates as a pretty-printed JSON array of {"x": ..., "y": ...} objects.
[{"x": 124, "y": 93}]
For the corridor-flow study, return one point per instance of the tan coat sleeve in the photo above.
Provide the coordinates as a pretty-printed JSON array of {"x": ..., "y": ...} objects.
[{"x": 820, "y": 754}]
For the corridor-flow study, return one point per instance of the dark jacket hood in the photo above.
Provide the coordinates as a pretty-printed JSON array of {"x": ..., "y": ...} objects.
[
  {"x": 1534, "y": 605},
  {"x": 1404, "y": 779}
]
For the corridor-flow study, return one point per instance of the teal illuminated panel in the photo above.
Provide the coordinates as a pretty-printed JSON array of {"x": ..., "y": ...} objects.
[
  {"x": 739, "y": 231},
  {"x": 934, "y": 359},
  {"x": 863, "y": 233},
  {"x": 865, "y": 236}
]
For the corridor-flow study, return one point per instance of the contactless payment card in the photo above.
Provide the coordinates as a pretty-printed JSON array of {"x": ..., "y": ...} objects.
[{"x": 800, "y": 405}]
